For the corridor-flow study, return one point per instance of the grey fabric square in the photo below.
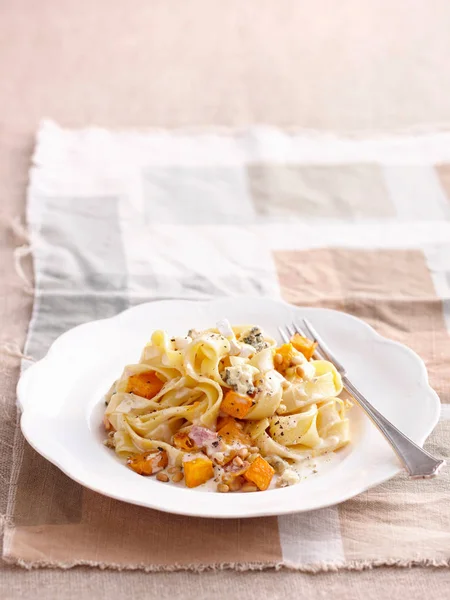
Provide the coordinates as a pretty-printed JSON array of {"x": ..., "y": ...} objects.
[
  {"x": 79, "y": 245},
  {"x": 56, "y": 313}
]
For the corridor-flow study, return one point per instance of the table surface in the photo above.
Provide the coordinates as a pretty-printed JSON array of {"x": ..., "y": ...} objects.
[{"x": 346, "y": 67}]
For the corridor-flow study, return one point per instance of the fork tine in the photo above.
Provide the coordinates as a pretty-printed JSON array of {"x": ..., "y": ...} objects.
[
  {"x": 290, "y": 331},
  {"x": 310, "y": 329},
  {"x": 317, "y": 354},
  {"x": 323, "y": 347},
  {"x": 298, "y": 329},
  {"x": 284, "y": 337}
]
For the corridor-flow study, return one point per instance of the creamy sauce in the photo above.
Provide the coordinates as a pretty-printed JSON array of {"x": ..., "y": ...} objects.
[{"x": 306, "y": 469}]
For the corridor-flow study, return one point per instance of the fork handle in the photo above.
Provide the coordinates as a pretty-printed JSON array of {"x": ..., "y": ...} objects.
[{"x": 419, "y": 463}]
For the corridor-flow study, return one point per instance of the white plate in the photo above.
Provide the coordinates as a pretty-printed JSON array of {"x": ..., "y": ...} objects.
[{"x": 62, "y": 404}]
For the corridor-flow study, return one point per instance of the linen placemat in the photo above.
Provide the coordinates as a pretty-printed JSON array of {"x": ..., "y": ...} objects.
[{"x": 119, "y": 218}]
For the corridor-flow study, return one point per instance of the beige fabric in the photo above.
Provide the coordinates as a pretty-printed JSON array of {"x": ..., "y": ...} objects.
[
  {"x": 343, "y": 66},
  {"x": 43, "y": 584},
  {"x": 353, "y": 68},
  {"x": 153, "y": 540}
]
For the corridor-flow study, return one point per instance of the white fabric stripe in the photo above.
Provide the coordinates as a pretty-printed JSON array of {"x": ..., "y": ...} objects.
[
  {"x": 416, "y": 192},
  {"x": 367, "y": 234},
  {"x": 106, "y": 152},
  {"x": 312, "y": 537},
  {"x": 176, "y": 254}
]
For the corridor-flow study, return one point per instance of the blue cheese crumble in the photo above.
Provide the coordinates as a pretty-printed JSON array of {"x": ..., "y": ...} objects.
[
  {"x": 240, "y": 379},
  {"x": 255, "y": 338}
]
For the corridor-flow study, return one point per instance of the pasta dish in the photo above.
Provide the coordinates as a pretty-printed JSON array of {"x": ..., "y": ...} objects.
[{"x": 226, "y": 407}]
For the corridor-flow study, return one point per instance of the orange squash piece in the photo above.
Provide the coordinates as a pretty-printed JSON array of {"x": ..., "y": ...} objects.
[
  {"x": 283, "y": 356},
  {"x": 232, "y": 432},
  {"x": 146, "y": 384},
  {"x": 183, "y": 441},
  {"x": 304, "y": 345},
  {"x": 236, "y": 405},
  {"x": 260, "y": 473},
  {"x": 148, "y": 463},
  {"x": 197, "y": 471},
  {"x": 221, "y": 421}
]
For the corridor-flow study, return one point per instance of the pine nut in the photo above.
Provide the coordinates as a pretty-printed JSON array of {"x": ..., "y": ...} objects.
[
  {"x": 172, "y": 470},
  {"x": 219, "y": 458},
  {"x": 235, "y": 484},
  {"x": 177, "y": 477},
  {"x": 162, "y": 477},
  {"x": 249, "y": 487},
  {"x": 277, "y": 359},
  {"x": 243, "y": 453},
  {"x": 223, "y": 488},
  {"x": 299, "y": 371},
  {"x": 252, "y": 457},
  {"x": 237, "y": 460},
  {"x": 254, "y": 449}
]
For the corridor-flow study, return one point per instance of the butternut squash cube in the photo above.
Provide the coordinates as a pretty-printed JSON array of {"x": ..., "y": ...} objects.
[
  {"x": 148, "y": 463},
  {"x": 232, "y": 432},
  {"x": 183, "y": 441},
  {"x": 222, "y": 421},
  {"x": 236, "y": 405},
  {"x": 260, "y": 473},
  {"x": 198, "y": 471},
  {"x": 304, "y": 345},
  {"x": 146, "y": 384},
  {"x": 282, "y": 359}
]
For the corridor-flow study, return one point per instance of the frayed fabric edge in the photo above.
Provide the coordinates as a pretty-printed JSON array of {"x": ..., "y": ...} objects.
[
  {"x": 49, "y": 126},
  {"x": 312, "y": 569},
  {"x": 21, "y": 252},
  {"x": 20, "y": 231},
  {"x": 12, "y": 348}
]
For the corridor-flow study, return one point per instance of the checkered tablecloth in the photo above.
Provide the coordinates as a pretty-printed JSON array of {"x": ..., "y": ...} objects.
[{"x": 119, "y": 218}]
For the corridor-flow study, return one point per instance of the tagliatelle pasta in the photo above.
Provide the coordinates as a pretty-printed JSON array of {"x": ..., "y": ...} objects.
[{"x": 226, "y": 406}]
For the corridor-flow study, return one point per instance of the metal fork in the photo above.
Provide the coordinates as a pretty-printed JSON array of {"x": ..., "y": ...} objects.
[{"x": 417, "y": 462}]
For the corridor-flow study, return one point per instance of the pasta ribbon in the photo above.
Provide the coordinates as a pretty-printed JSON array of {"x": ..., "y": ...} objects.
[{"x": 170, "y": 407}]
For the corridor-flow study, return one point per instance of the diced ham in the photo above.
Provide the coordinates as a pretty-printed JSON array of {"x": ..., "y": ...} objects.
[{"x": 201, "y": 436}]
